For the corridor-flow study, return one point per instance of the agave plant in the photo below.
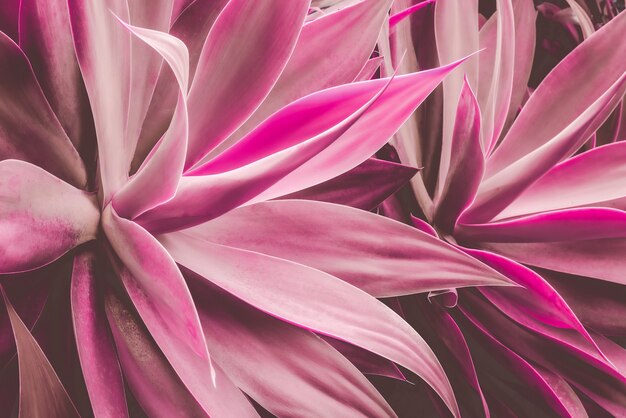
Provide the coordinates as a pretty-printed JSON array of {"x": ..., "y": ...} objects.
[
  {"x": 506, "y": 180},
  {"x": 160, "y": 163}
]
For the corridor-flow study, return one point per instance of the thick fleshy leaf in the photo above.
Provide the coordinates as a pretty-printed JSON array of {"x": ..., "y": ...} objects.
[
  {"x": 102, "y": 46},
  {"x": 571, "y": 88},
  {"x": 601, "y": 258},
  {"x": 41, "y": 391},
  {"x": 286, "y": 369},
  {"x": 157, "y": 179},
  {"x": 245, "y": 53},
  {"x": 499, "y": 190},
  {"x": 524, "y": 15},
  {"x": 29, "y": 129},
  {"x": 191, "y": 27},
  {"x": 495, "y": 106},
  {"x": 41, "y": 217},
  {"x": 466, "y": 162},
  {"x": 456, "y": 34},
  {"x": 145, "y": 63},
  {"x": 384, "y": 118},
  {"x": 536, "y": 305},
  {"x": 599, "y": 304},
  {"x": 314, "y": 66},
  {"x": 363, "y": 187},
  {"x": 96, "y": 352},
  {"x": 596, "y": 177},
  {"x": 601, "y": 383},
  {"x": 401, "y": 260},
  {"x": 534, "y": 380},
  {"x": 46, "y": 37},
  {"x": 160, "y": 294},
  {"x": 152, "y": 379},
  {"x": 337, "y": 105},
  {"x": 313, "y": 300},
  {"x": 236, "y": 178},
  {"x": 559, "y": 226},
  {"x": 456, "y": 354}
]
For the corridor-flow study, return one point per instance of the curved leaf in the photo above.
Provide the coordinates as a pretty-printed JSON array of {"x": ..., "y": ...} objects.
[
  {"x": 46, "y": 37},
  {"x": 245, "y": 53},
  {"x": 286, "y": 369},
  {"x": 315, "y": 65},
  {"x": 158, "y": 177},
  {"x": 41, "y": 391},
  {"x": 162, "y": 299},
  {"x": 593, "y": 178},
  {"x": 571, "y": 88},
  {"x": 313, "y": 300},
  {"x": 154, "y": 382},
  {"x": 41, "y": 217},
  {"x": 401, "y": 260},
  {"x": 98, "y": 359},
  {"x": 29, "y": 129},
  {"x": 102, "y": 46},
  {"x": 363, "y": 187}
]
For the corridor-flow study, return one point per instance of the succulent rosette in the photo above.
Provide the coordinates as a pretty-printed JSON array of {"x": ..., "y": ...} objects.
[
  {"x": 523, "y": 170},
  {"x": 161, "y": 249}
]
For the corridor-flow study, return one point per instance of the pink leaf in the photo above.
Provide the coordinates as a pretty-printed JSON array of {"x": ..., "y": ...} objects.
[
  {"x": 160, "y": 294},
  {"x": 315, "y": 66},
  {"x": 41, "y": 391},
  {"x": 313, "y": 300},
  {"x": 29, "y": 129},
  {"x": 466, "y": 162},
  {"x": 98, "y": 359},
  {"x": 145, "y": 63},
  {"x": 103, "y": 49},
  {"x": 363, "y": 187},
  {"x": 153, "y": 381},
  {"x": 41, "y": 217},
  {"x": 283, "y": 367},
  {"x": 191, "y": 27},
  {"x": 157, "y": 179},
  {"x": 593, "y": 178},
  {"x": 46, "y": 37},
  {"x": 565, "y": 94},
  {"x": 401, "y": 260},
  {"x": 537, "y": 305},
  {"x": 267, "y": 155},
  {"x": 602, "y": 258},
  {"x": 456, "y": 33},
  {"x": 369, "y": 69},
  {"x": 245, "y": 53},
  {"x": 498, "y": 191},
  {"x": 564, "y": 225}
]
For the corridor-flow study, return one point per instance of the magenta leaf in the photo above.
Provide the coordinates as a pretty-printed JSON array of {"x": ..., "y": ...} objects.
[
  {"x": 162, "y": 299},
  {"x": 363, "y": 187},
  {"x": 313, "y": 300},
  {"x": 401, "y": 260},
  {"x": 152, "y": 379},
  {"x": 238, "y": 68},
  {"x": 281, "y": 366},
  {"x": 98, "y": 358}
]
